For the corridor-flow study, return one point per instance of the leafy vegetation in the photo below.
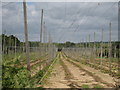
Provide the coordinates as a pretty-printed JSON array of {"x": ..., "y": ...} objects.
[
  {"x": 84, "y": 86},
  {"x": 15, "y": 77},
  {"x": 19, "y": 77},
  {"x": 98, "y": 86}
]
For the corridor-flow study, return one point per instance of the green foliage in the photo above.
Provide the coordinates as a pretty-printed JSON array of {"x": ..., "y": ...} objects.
[
  {"x": 10, "y": 59},
  {"x": 10, "y": 40},
  {"x": 15, "y": 77},
  {"x": 69, "y": 44},
  {"x": 118, "y": 74},
  {"x": 85, "y": 86},
  {"x": 98, "y": 86},
  {"x": 34, "y": 44},
  {"x": 36, "y": 78}
]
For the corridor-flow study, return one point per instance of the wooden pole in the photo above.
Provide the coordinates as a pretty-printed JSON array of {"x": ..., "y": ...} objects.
[
  {"x": 89, "y": 50},
  {"x": 119, "y": 21},
  {"x": 23, "y": 46},
  {"x": 41, "y": 32},
  {"x": 94, "y": 48},
  {"x": 49, "y": 46},
  {"x": 86, "y": 50},
  {"x": 110, "y": 47},
  {"x": 101, "y": 48},
  {"x": 9, "y": 46},
  {"x": 44, "y": 38},
  {"x": 44, "y": 34},
  {"x": 114, "y": 49},
  {"x": 119, "y": 41},
  {"x": 15, "y": 47},
  {"x": 4, "y": 44},
  {"x": 26, "y": 35},
  {"x": 89, "y": 40},
  {"x": 41, "y": 26}
]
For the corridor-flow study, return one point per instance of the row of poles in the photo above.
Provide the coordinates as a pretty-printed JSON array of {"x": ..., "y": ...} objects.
[
  {"x": 41, "y": 32},
  {"x": 92, "y": 51},
  {"x": 26, "y": 35},
  {"x": 45, "y": 45},
  {"x": 110, "y": 43}
]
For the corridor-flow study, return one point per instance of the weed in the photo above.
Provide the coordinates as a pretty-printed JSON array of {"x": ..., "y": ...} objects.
[
  {"x": 98, "y": 86},
  {"x": 84, "y": 86}
]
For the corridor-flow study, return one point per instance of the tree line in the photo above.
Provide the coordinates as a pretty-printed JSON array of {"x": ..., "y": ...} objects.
[{"x": 9, "y": 43}]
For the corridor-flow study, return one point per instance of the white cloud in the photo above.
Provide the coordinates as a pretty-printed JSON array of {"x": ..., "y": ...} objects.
[{"x": 59, "y": 17}]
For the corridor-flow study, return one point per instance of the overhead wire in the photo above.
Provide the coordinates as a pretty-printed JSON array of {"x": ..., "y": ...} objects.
[
  {"x": 85, "y": 20},
  {"x": 73, "y": 22},
  {"x": 7, "y": 4},
  {"x": 103, "y": 12},
  {"x": 70, "y": 25},
  {"x": 101, "y": 15}
]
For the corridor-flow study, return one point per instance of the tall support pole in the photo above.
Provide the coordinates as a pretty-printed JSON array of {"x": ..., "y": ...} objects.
[
  {"x": 110, "y": 47},
  {"x": 49, "y": 47},
  {"x": 41, "y": 31},
  {"x": 44, "y": 38},
  {"x": 9, "y": 45},
  {"x": 89, "y": 49},
  {"x": 86, "y": 51},
  {"x": 12, "y": 42},
  {"x": 26, "y": 35},
  {"x": 89, "y": 40},
  {"x": 44, "y": 34},
  {"x": 80, "y": 48},
  {"x": 41, "y": 26},
  {"x": 114, "y": 49},
  {"x": 15, "y": 47},
  {"x": 119, "y": 41},
  {"x": 83, "y": 48},
  {"x": 119, "y": 22},
  {"x": 94, "y": 48},
  {"x": 4, "y": 43},
  {"x": 101, "y": 49},
  {"x": 23, "y": 47}
]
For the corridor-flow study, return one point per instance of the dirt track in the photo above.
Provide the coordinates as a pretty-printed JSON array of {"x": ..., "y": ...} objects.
[{"x": 67, "y": 75}]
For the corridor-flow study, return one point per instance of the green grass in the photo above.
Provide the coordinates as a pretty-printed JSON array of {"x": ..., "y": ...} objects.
[
  {"x": 17, "y": 77},
  {"x": 84, "y": 86},
  {"x": 118, "y": 74},
  {"x": 107, "y": 59},
  {"x": 98, "y": 86},
  {"x": 9, "y": 59}
]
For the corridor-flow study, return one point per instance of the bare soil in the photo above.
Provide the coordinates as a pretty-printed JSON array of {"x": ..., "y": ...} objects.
[
  {"x": 57, "y": 78},
  {"x": 67, "y": 75}
]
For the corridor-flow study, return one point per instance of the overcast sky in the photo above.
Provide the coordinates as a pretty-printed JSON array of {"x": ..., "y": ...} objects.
[{"x": 64, "y": 21}]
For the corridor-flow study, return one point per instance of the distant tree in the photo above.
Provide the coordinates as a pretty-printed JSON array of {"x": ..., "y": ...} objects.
[
  {"x": 69, "y": 44},
  {"x": 9, "y": 41}
]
